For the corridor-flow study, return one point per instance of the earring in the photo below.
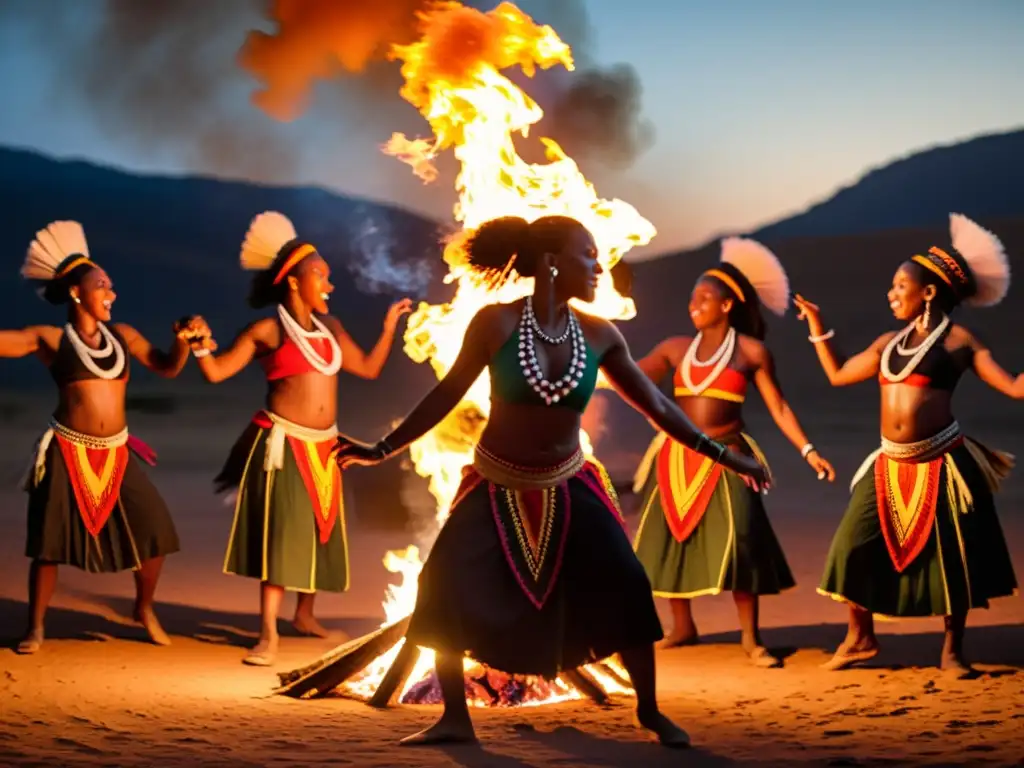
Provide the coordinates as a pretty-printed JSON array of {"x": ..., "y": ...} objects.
[
  {"x": 76, "y": 300},
  {"x": 926, "y": 318},
  {"x": 554, "y": 272}
]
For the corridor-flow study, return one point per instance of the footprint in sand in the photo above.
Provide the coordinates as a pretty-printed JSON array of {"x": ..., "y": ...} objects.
[{"x": 837, "y": 734}]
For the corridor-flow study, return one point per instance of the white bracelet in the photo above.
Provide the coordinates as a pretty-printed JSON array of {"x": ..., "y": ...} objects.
[
  {"x": 823, "y": 337},
  {"x": 806, "y": 451},
  {"x": 198, "y": 353}
]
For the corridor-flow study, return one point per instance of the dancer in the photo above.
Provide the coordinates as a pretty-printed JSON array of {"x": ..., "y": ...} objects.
[
  {"x": 289, "y": 524},
  {"x": 920, "y": 536},
  {"x": 532, "y": 572},
  {"x": 702, "y": 530},
  {"x": 90, "y": 503}
]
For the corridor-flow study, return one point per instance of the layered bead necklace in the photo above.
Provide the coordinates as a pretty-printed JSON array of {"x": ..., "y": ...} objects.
[
  {"x": 109, "y": 348},
  {"x": 301, "y": 338},
  {"x": 529, "y": 329},
  {"x": 720, "y": 359},
  {"x": 916, "y": 354}
]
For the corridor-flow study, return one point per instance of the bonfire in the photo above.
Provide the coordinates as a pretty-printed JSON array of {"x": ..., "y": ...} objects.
[{"x": 453, "y": 76}]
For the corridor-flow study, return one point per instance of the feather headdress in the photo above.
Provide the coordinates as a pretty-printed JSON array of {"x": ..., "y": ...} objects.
[
  {"x": 55, "y": 251},
  {"x": 762, "y": 270},
  {"x": 986, "y": 257},
  {"x": 268, "y": 233}
]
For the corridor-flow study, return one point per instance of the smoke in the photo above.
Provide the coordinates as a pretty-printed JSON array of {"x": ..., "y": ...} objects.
[
  {"x": 174, "y": 78},
  {"x": 371, "y": 259},
  {"x": 594, "y": 111}
]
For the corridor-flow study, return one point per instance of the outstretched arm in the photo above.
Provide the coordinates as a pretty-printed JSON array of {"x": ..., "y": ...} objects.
[
  {"x": 841, "y": 371},
  {"x": 357, "y": 362},
  {"x": 473, "y": 358},
  {"x": 24, "y": 342},
  {"x": 993, "y": 374},
  {"x": 661, "y": 360},
  {"x": 640, "y": 392},
  {"x": 217, "y": 368},
  {"x": 771, "y": 392},
  {"x": 167, "y": 364}
]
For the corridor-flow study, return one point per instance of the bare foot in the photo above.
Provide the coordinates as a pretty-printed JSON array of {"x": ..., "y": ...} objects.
[
  {"x": 954, "y": 666},
  {"x": 444, "y": 731},
  {"x": 33, "y": 642},
  {"x": 263, "y": 653},
  {"x": 308, "y": 626},
  {"x": 669, "y": 734},
  {"x": 850, "y": 654},
  {"x": 763, "y": 658},
  {"x": 147, "y": 618},
  {"x": 679, "y": 639}
]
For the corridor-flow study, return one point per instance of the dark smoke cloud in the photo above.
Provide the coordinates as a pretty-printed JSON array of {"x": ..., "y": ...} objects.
[{"x": 164, "y": 76}]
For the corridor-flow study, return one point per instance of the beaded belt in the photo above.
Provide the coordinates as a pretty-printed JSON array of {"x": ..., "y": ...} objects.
[
  {"x": 924, "y": 450},
  {"x": 89, "y": 441},
  {"x": 508, "y": 475}
]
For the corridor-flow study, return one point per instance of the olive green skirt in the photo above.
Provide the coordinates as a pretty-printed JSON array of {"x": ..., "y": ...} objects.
[
  {"x": 922, "y": 539},
  {"x": 282, "y": 532},
  {"x": 702, "y": 530}
]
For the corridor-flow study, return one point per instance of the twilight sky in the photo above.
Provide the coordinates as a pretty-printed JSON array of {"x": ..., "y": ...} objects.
[{"x": 760, "y": 107}]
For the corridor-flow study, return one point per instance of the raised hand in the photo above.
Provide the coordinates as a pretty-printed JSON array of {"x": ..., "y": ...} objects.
[
  {"x": 821, "y": 465},
  {"x": 396, "y": 310},
  {"x": 809, "y": 311}
]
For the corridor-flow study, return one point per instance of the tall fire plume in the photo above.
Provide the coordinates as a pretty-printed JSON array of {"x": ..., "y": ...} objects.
[{"x": 453, "y": 76}]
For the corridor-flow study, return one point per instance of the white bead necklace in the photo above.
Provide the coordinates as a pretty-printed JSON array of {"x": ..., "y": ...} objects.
[
  {"x": 720, "y": 359},
  {"x": 110, "y": 347},
  {"x": 550, "y": 391},
  {"x": 300, "y": 336},
  {"x": 916, "y": 354}
]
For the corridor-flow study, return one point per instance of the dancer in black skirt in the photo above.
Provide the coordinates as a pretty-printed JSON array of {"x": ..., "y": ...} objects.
[
  {"x": 91, "y": 505},
  {"x": 533, "y": 572}
]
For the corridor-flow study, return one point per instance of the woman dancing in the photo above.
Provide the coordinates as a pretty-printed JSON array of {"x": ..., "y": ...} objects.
[
  {"x": 702, "y": 530},
  {"x": 90, "y": 503},
  {"x": 289, "y": 524},
  {"x": 532, "y": 572},
  {"x": 920, "y": 536}
]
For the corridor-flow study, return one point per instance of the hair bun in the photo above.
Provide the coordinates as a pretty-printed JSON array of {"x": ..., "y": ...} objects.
[{"x": 493, "y": 245}]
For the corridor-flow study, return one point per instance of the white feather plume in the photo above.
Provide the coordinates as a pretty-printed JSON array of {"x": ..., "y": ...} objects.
[
  {"x": 985, "y": 255},
  {"x": 267, "y": 233},
  {"x": 761, "y": 267},
  {"x": 51, "y": 246}
]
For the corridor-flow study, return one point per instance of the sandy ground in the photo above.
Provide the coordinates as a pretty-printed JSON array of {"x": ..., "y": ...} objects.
[{"x": 99, "y": 695}]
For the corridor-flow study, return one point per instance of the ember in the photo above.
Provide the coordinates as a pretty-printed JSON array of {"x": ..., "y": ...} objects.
[{"x": 474, "y": 110}]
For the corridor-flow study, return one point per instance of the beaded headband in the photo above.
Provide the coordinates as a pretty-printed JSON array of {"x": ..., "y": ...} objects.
[
  {"x": 940, "y": 263},
  {"x": 301, "y": 251}
]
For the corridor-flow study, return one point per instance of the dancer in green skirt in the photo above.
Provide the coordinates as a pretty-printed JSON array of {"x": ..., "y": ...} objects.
[
  {"x": 289, "y": 524},
  {"x": 920, "y": 536},
  {"x": 702, "y": 530}
]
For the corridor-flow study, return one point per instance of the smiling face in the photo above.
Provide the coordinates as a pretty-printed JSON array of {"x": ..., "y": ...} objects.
[
  {"x": 311, "y": 281},
  {"x": 908, "y": 294},
  {"x": 709, "y": 304},
  {"x": 95, "y": 294},
  {"x": 578, "y": 268}
]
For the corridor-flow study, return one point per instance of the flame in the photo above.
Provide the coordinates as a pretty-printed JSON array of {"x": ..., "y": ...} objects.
[{"x": 453, "y": 76}]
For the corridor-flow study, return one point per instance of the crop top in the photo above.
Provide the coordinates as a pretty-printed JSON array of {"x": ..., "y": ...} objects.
[
  {"x": 937, "y": 370},
  {"x": 509, "y": 384},
  {"x": 67, "y": 367},
  {"x": 288, "y": 360},
  {"x": 730, "y": 385}
]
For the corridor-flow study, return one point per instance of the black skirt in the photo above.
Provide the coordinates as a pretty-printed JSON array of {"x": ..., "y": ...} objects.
[
  {"x": 534, "y": 583},
  {"x": 139, "y": 526}
]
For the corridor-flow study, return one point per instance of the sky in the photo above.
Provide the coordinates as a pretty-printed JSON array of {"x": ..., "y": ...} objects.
[{"x": 759, "y": 108}]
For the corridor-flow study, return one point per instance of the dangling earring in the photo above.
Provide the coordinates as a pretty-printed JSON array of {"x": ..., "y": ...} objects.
[
  {"x": 76, "y": 300},
  {"x": 927, "y": 316},
  {"x": 554, "y": 272}
]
